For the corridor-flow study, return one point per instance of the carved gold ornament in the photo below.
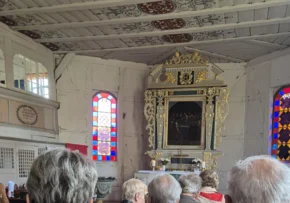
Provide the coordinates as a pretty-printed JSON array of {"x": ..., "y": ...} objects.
[
  {"x": 170, "y": 77},
  {"x": 201, "y": 76},
  {"x": 194, "y": 58},
  {"x": 149, "y": 112},
  {"x": 185, "y": 77}
]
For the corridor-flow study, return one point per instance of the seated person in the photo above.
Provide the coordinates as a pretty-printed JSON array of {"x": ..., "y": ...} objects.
[
  {"x": 134, "y": 191},
  {"x": 164, "y": 189},
  {"x": 190, "y": 185},
  {"x": 208, "y": 193},
  {"x": 62, "y": 176}
]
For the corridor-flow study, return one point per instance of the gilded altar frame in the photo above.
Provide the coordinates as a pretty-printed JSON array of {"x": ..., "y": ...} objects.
[
  {"x": 186, "y": 77},
  {"x": 166, "y": 107}
]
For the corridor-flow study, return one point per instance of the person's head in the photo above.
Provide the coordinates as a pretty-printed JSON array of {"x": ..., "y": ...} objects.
[
  {"x": 3, "y": 197},
  {"x": 209, "y": 178},
  {"x": 259, "y": 179},
  {"x": 190, "y": 183},
  {"x": 62, "y": 176},
  {"x": 134, "y": 190},
  {"x": 164, "y": 189}
]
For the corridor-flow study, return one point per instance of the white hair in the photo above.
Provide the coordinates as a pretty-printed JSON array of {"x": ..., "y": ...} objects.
[
  {"x": 62, "y": 176},
  {"x": 190, "y": 183},
  {"x": 164, "y": 189},
  {"x": 259, "y": 179},
  {"x": 131, "y": 187}
]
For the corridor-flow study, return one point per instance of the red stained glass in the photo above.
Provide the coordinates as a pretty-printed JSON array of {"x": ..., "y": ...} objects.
[
  {"x": 104, "y": 117},
  {"x": 281, "y": 121}
]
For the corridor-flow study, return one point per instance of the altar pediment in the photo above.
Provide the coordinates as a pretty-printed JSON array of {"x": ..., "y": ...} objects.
[
  {"x": 185, "y": 107},
  {"x": 189, "y": 70}
]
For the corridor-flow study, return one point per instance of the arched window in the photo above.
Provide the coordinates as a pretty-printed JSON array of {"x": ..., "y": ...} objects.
[
  {"x": 30, "y": 76},
  {"x": 104, "y": 127},
  {"x": 281, "y": 125}
]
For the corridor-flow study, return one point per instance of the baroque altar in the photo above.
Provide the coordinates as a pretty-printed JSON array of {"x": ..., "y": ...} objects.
[{"x": 185, "y": 108}]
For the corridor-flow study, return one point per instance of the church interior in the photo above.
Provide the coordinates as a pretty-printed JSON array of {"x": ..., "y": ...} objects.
[{"x": 135, "y": 83}]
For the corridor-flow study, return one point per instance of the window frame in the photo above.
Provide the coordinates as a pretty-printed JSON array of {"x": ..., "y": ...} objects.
[
  {"x": 95, "y": 156},
  {"x": 275, "y": 122}
]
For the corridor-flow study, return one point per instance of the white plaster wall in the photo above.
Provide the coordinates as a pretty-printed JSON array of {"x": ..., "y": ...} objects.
[
  {"x": 263, "y": 80},
  {"x": 80, "y": 80},
  {"x": 233, "y": 136}
]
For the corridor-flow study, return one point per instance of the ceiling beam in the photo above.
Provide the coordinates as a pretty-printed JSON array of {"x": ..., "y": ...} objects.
[
  {"x": 177, "y": 44},
  {"x": 163, "y": 56},
  {"x": 72, "y": 7},
  {"x": 266, "y": 44},
  {"x": 220, "y": 56},
  {"x": 186, "y": 14},
  {"x": 169, "y": 32}
]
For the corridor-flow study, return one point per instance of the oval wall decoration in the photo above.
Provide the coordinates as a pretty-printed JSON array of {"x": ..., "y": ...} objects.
[
  {"x": 159, "y": 7},
  {"x": 170, "y": 24},
  {"x": 27, "y": 115},
  {"x": 177, "y": 38}
]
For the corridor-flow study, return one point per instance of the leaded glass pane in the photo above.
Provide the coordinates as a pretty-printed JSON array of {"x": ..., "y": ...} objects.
[
  {"x": 104, "y": 119},
  {"x": 104, "y": 148},
  {"x": 104, "y": 105},
  {"x": 104, "y": 133}
]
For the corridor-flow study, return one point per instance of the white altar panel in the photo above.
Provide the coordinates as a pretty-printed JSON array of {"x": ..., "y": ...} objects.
[{"x": 148, "y": 176}]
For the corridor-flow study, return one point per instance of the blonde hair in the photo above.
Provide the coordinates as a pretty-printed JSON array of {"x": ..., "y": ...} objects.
[
  {"x": 209, "y": 178},
  {"x": 131, "y": 187}
]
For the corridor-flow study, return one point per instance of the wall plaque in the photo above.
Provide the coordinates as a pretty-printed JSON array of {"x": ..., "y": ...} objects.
[{"x": 27, "y": 115}]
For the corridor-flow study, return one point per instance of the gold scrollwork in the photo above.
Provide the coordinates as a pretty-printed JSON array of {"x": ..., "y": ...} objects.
[
  {"x": 194, "y": 58},
  {"x": 170, "y": 77},
  {"x": 186, "y": 77},
  {"x": 201, "y": 76},
  {"x": 149, "y": 112},
  {"x": 222, "y": 111}
]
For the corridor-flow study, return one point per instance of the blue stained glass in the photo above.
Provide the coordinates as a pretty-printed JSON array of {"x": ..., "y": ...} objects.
[
  {"x": 113, "y": 134},
  {"x": 95, "y": 133},
  {"x": 281, "y": 93},
  {"x": 113, "y": 153},
  {"x": 108, "y": 158},
  {"x": 95, "y": 143},
  {"x": 275, "y": 147},
  {"x": 274, "y": 156},
  {"x": 114, "y": 106},
  {"x": 114, "y": 115},
  {"x": 95, "y": 152},
  {"x": 95, "y": 114},
  {"x": 99, "y": 158},
  {"x": 276, "y": 114},
  {"x": 275, "y": 136},
  {"x": 113, "y": 144},
  {"x": 99, "y": 96},
  {"x": 95, "y": 123},
  {"x": 277, "y": 102},
  {"x": 276, "y": 125},
  {"x": 110, "y": 97},
  {"x": 95, "y": 103},
  {"x": 113, "y": 125}
]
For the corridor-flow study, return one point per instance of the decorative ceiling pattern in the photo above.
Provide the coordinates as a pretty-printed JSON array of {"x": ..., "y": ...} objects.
[{"x": 92, "y": 27}]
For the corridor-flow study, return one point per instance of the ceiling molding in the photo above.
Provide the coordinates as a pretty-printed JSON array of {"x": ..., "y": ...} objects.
[
  {"x": 177, "y": 44},
  {"x": 72, "y": 7},
  {"x": 169, "y": 32},
  {"x": 215, "y": 55},
  {"x": 268, "y": 57},
  {"x": 186, "y": 14},
  {"x": 266, "y": 44}
]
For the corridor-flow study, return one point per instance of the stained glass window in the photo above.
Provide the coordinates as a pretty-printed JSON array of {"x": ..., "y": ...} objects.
[
  {"x": 104, "y": 127},
  {"x": 281, "y": 125}
]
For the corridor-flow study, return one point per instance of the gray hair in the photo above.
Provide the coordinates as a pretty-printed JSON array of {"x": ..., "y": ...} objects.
[
  {"x": 259, "y": 179},
  {"x": 131, "y": 187},
  {"x": 164, "y": 189},
  {"x": 209, "y": 178},
  {"x": 190, "y": 183},
  {"x": 62, "y": 176}
]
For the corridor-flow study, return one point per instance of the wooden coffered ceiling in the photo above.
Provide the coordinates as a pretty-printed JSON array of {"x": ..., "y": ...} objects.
[{"x": 151, "y": 31}]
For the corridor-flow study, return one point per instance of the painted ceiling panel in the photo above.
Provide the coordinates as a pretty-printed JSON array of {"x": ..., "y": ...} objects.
[{"x": 134, "y": 28}]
